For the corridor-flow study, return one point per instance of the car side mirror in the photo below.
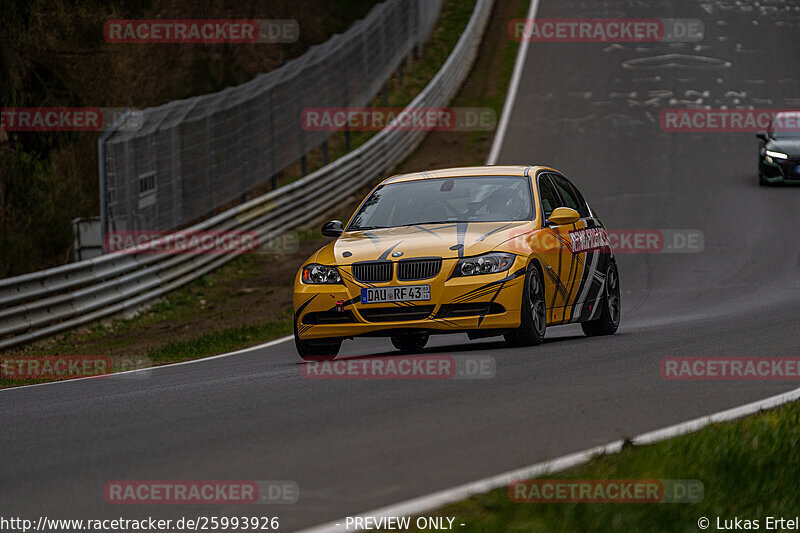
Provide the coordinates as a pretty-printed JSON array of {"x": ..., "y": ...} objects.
[
  {"x": 332, "y": 228},
  {"x": 762, "y": 135},
  {"x": 563, "y": 215}
]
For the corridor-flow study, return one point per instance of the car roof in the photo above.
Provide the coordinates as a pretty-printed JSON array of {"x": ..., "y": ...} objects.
[{"x": 485, "y": 170}]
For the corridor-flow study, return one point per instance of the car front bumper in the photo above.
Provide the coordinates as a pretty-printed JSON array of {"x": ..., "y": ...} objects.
[
  {"x": 777, "y": 171},
  {"x": 482, "y": 302}
]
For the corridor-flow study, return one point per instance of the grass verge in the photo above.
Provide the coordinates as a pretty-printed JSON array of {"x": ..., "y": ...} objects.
[{"x": 749, "y": 469}]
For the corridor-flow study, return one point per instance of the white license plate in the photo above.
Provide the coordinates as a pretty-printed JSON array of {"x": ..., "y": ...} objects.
[{"x": 407, "y": 293}]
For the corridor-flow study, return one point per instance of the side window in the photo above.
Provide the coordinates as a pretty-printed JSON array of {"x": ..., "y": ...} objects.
[
  {"x": 571, "y": 197},
  {"x": 548, "y": 195}
]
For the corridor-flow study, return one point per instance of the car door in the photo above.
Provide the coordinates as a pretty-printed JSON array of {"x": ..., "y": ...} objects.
[
  {"x": 569, "y": 263},
  {"x": 550, "y": 245},
  {"x": 588, "y": 242}
]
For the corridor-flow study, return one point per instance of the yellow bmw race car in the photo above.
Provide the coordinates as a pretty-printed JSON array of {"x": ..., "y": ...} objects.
[{"x": 493, "y": 250}]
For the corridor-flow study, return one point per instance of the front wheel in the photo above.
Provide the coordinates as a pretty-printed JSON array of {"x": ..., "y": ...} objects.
[
  {"x": 317, "y": 349},
  {"x": 608, "y": 322},
  {"x": 533, "y": 317}
]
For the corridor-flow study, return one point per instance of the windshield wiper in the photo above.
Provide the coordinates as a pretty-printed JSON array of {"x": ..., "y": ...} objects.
[
  {"x": 437, "y": 222},
  {"x": 362, "y": 228}
]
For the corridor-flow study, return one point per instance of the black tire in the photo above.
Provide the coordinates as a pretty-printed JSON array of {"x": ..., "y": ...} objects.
[
  {"x": 608, "y": 321},
  {"x": 533, "y": 312},
  {"x": 317, "y": 349},
  {"x": 411, "y": 343}
]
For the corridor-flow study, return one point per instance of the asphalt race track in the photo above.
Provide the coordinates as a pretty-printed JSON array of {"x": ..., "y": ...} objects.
[{"x": 588, "y": 109}]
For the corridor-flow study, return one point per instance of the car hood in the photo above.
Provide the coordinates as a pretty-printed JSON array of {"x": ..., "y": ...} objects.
[
  {"x": 424, "y": 240},
  {"x": 787, "y": 146}
]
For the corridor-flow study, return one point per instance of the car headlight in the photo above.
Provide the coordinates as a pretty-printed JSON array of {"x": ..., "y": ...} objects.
[
  {"x": 490, "y": 263},
  {"x": 316, "y": 274},
  {"x": 775, "y": 155}
]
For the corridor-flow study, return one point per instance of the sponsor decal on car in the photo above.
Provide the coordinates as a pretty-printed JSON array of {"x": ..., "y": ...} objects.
[{"x": 587, "y": 239}]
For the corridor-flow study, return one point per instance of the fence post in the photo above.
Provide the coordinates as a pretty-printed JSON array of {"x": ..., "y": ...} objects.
[
  {"x": 103, "y": 170},
  {"x": 273, "y": 172}
]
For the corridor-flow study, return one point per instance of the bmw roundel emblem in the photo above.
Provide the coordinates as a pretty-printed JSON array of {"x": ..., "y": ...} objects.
[{"x": 397, "y": 254}]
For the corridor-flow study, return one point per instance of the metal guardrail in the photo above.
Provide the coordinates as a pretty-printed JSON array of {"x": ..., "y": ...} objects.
[{"x": 39, "y": 304}]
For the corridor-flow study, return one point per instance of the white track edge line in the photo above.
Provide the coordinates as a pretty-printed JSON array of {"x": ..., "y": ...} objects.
[
  {"x": 436, "y": 500},
  {"x": 151, "y": 368},
  {"x": 511, "y": 95}
]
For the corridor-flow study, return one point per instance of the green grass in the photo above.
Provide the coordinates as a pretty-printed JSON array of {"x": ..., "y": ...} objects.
[
  {"x": 750, "y": 469},
  {"x": 220, "y": 341}
]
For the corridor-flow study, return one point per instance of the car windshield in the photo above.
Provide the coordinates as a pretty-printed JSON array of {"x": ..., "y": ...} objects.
[
  {"x": 442, "y": 200},
  {"x": 786, "y": 126}
]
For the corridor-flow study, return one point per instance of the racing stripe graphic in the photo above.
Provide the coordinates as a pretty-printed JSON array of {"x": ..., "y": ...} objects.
[
  {"x": 302, "y": 328},
  {"x": 574, "y": 264},
  {"x": 590, "y": 275},
  {"x": 483, "y": 315},
  {"x": 473, "y": 295},
  {"x": 596, "y": 291},
  {"x": 486, "y": 289},
  {"x": 581, "y": 261},
  {"x": 591, "y": 260},
  {"x": 446, "y": 322},
  {"x": 350, "y": 279},
  {"x": 483, "y": 237},
  {"x": 577, "y": 304},
  {"x": 554, "y": 279},
  {"x": 417, "y": 226},
  {"x": 304, "y": 305},
  {"x": 386, "y": 253},
  {"x": 562, "y": 289},
  {"x": 461, "y": 231}
]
